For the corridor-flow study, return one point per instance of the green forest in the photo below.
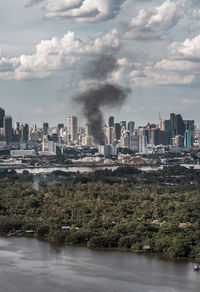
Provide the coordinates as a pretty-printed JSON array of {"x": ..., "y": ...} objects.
[{"x": 126, "y": 208}]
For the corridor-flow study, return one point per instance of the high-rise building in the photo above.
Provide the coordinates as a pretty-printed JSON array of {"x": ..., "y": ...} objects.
[
  {"x": 111, "y": 121},
  {"x": 109, "y": 131},
  {"x": 179, "y": 141},
  {"x": 189, "y": 125},
  {"x": 8, "y": 131},
  {"x": 88, "y": 130},
  {"x": 117, "y": 131},
  {"x": 123, "y": 124},
  {"x": 142, "y": 144},
  {"x": 131, "y": 126},
  {"x": 134, "y": 143},
  {"x": 60, "y": 126},
  {"x": 187, "y": 139},
  {"x": 180, "y": 125},
  {"x": 72, "y": 124},
  {"x": 177, "y": 125},
  {"x": 155, "y": 136},
  {"x": 2, "y": 115},
  {"x": 45, "y": 129},
  {"x": 25, "y": 133}
]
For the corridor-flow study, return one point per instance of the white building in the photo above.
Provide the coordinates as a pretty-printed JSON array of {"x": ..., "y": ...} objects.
[{"x": 72, "y": 126}]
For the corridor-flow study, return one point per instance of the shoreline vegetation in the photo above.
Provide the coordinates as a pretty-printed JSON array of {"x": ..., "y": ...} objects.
[{"x": 125, "y": 209}]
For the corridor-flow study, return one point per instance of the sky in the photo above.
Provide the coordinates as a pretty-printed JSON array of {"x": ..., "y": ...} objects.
[{"x": 47, "y": 48}]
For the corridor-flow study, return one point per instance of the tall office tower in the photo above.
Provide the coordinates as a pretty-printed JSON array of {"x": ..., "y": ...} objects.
[
  {"x": 187, "y": 139},
  {"x": 131, "y": 126},
  {"x": 25, "y": 133},
  {"x": 60, "y": 132},
  {"x": 72, "y": 128},
  {"x": 155, "y": 136},
  {"x": 179, "y": 141},
  {"x": 125, "y": 140},
  {"x": 17, "y": 126},
  {"x": 2, "y": 115},
  {"x": 123, "y": 124},
  {"x": 189, "y": 125},
  {"x": 117, "y": 131},
  {"x": 111, "y": 122},
  {"x": 88, "y": 131},
  {"x": 144, "y": 131},
  {"x": 8, "y": 128},
  {"x": 142, "y": 144},
  {"x": 177, "y": 125},
  {"x": 180, "y": 130},
  {"x": 45, "y": 129},
  {"x": 165, "y": 126},
  {"x": 173, "y": 125},
  {"x": 60, "y": 126},
  {"x": 109, "y": 135},
  {"x": 134, "y": 143}
]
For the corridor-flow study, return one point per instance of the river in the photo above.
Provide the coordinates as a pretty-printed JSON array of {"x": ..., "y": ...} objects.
[
  {"x": 29, "y": 265},
  {"x": 37, "y": 170}
]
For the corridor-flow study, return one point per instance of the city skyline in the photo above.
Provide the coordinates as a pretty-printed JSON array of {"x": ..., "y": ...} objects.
[{"x": 83, "y": 122}]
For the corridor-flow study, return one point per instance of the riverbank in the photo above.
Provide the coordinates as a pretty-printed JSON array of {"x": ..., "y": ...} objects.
[
  {"x": 159, "y": 256},
  {"x": 126, "y": 208}
]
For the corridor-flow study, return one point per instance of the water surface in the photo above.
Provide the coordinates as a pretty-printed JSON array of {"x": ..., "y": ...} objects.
[{"x": 28, "y": 265}]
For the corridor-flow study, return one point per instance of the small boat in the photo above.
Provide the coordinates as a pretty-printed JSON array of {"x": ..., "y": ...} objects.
[{"x": 196, "y": 268}]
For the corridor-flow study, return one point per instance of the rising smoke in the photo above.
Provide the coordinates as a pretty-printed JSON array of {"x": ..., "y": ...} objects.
[
  {"x": 94, "y": 100},
  {"x": 101, "y": 67}
]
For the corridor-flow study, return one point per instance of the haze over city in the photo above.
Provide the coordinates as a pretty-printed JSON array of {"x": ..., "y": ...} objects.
[{"x": 52, "y": 51}]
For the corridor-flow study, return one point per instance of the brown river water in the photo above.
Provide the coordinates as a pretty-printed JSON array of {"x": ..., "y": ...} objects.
[{"x": 29, "y": 265}]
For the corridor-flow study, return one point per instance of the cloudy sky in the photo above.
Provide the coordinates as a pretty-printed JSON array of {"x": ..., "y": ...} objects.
[{"x": 50, "y": 49}]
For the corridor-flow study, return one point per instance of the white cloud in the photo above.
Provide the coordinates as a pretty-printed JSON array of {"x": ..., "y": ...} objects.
[
  {"x": 153, "y": 24},
  {"x": 55, "y": 55},
  {"x": 176, "y": 65},
  {"x": 83, "y": 10},
  {"x": 156, "y": 75},
  {"x": 189, "y": 49}
]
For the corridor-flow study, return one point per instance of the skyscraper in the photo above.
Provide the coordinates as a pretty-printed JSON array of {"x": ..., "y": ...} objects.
[
  {"x": 2, "y": 115},
  {"x": 155, "y": 136},
  {"x": 109, "y": 135},
  {"x": 60, "y": 126},
  {"x": 72, "y": 124},
  {"x": 187, "y": 139},
  {"x": 177, "y": 125},
  {"x": 131, "y": 126},
  {"x": 111, "y": 122},
  {"x": 117, "y": 131},
  {"x": 45, "y": 129},
  {"x": 123, "y": 124},
  {"x": 25, "y": 133},
  {"x": 8, "y": 128}
]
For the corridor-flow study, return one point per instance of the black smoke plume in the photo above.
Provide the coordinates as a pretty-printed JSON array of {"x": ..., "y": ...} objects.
[
  {"x": 101, "y": 67},
  {"x": 93, "y": 100}
]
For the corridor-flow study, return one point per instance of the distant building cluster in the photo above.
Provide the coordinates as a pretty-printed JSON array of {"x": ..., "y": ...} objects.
[{"x": 23, "y": 140}]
